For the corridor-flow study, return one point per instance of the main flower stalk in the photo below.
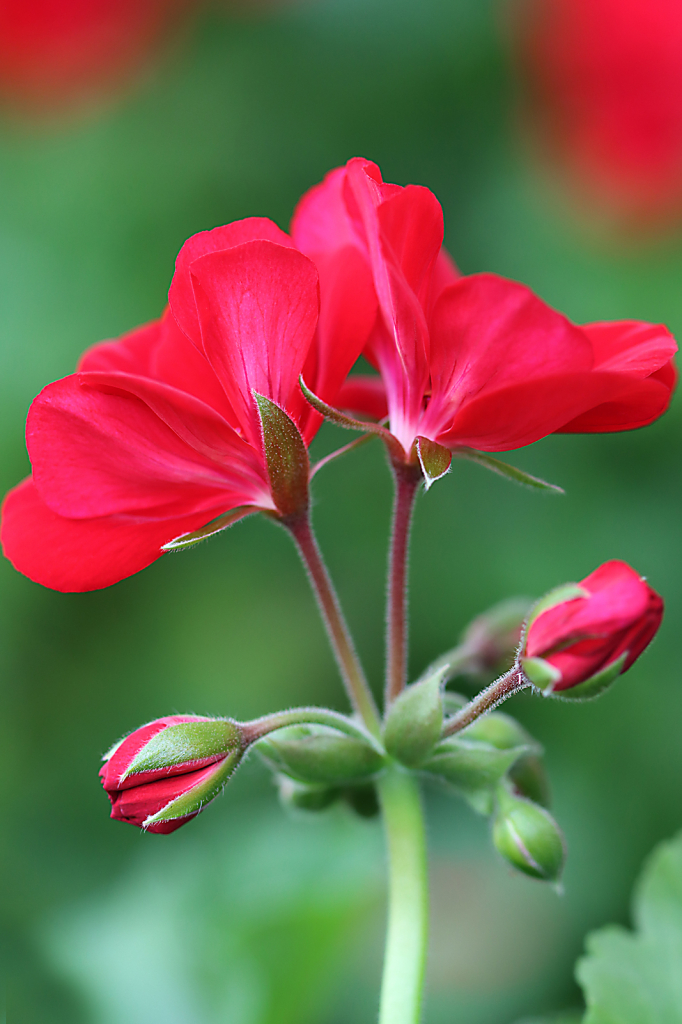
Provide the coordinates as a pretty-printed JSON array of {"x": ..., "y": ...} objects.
[{"x": 406, "y": 940}]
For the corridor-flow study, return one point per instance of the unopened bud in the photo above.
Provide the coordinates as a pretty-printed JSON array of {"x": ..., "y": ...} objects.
[
  {"x": 164, "y": 773},
  {"x": 528, "y": 837},
  {"x": 493, "y": 637},
  {"x": 529, "y": 778},
  {"x": 471, "y": 765},
  {"x": 582, "y": 636},
  {"x": 318, "y": 754},
  {"x": 415, "y": 720},
  {"x": 305, "y": 797},
  {"x": 499, "y": 730}
]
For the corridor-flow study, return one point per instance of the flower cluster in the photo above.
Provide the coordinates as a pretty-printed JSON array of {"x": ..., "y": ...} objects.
[{"x": 160, "y": 433}]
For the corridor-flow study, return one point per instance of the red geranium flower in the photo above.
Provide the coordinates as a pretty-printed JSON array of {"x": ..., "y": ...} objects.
[
  {"x": 471, "y": 361},
  {"x": 157, "y": 434},
  {"x": 603, "y": 95}
]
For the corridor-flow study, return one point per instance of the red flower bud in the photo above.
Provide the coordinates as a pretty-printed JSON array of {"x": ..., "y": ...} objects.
[
  {"x": 581, "y": 636},
  {"x": 164, "y": 773}
]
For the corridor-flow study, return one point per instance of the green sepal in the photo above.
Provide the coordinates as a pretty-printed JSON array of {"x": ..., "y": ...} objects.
[
  {"x": 286, "y": 456},
  {"x": 529, "y": 778},
  {"x": 517, "y": 476},
  {"x": 593, "y": 686},
  {"x": 188, "y": 540},
  {"x": 186, "y": 742},
  {"x": 351, "y": 423},
  {"x": 540, "y": 673},
  {"x": 434, "y": 459},
  {"x": 471, "y": 765},
  {"x": 202, "y": 794},
  {"x": 528, "y": 837},
  {"x": 304, "y": 796},
  {"x": 312, "y": 753},
  {"x": 414, "y": 721},
  {"x": 559, "y": 595}
]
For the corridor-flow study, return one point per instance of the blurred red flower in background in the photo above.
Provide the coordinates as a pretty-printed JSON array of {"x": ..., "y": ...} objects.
[
  {"x": 602, "y": 95},
  {"x": 57, "y": 52}
]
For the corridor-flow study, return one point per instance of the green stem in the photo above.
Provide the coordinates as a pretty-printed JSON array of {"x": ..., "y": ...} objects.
[
  {"x": 346, "y": 657},
  {"x": 406, "y": 939}
]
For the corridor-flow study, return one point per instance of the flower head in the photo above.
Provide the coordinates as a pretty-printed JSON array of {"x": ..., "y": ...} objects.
[
  {"x": 159, "y": 433},
  {"x": 581, "y": 636},
  {"x": 473, "y": 361}
]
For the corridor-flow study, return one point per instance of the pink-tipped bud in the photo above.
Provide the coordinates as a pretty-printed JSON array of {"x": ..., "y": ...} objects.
[
  {"x": 580, "y": 637},
  {"x": 164, "y": 773}
]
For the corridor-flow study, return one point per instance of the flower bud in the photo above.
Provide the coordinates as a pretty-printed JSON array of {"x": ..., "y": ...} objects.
[
  {"x": 580, "y": 637},
  {"x": 471, "y": 765},
  {"x": 493, "y": 637},
  {"x": 528, "y": 837},
  {"x": 318, "y": 754},
  {"x": 304, "y": 796},
  {"x": 414, "y": 720},
  {"x": 164, "y": 773}
]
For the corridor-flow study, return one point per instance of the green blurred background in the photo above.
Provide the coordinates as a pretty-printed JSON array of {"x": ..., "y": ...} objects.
[{"x": 249, "y": 916}]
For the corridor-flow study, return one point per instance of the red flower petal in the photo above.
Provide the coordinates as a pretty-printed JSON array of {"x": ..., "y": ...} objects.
[
  {"x": 364, "y": 394},
  {"x": 258, "y": 306},
  {"x": 96, "y": 453},
  {"x": 181, "y": 294},
  {"x": 73, "y": 555}
]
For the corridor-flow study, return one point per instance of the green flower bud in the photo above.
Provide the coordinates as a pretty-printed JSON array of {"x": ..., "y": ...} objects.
[
  {"x": 305, "y": 797},
  {"x": 528, "y": 837},
  {"x": 318, "y": 754},
  {"x": 471, "y": 764},
  {"x": 499, "y": 730},
  {"x": 414, "y": 721},
  {"x": 529, "y": 778}
]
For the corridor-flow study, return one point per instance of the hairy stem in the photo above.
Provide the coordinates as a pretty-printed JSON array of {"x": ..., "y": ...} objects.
[
  {"x": 259, "y": 727},
  {"x": 507, "y": 685},
  {"x": 407, "y": 480},
  {"x": 352, "y": 674},
  {"x": 407, "y": 934}
]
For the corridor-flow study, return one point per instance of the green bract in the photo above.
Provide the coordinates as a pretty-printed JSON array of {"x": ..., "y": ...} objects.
[{"x": 414, "y": 721}]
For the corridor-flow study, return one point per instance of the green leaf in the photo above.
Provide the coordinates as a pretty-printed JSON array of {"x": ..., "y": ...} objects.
[
  {"x": 414, "y": 721},
  {"x": 188, "y": 540},
  {"x": 434, "y": 459},
  {"x": 504, "y": 469},
  {"x": 636, "y": 977},
  {"x": 286, "y": 456}
]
